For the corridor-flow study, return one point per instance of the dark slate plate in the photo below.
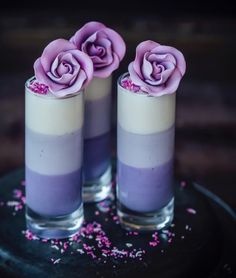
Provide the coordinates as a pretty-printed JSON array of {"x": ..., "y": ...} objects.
[{"x": 200, "y": 244}]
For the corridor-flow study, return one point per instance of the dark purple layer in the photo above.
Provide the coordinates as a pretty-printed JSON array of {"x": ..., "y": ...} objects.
[
  {"x": 97, "y": 155},
  {"x": 145, "y": 189},
  {"x": 53, "y": 195}
]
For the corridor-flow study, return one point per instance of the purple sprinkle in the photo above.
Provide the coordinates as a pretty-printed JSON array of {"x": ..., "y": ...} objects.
[{"x": 191, "y": 210}]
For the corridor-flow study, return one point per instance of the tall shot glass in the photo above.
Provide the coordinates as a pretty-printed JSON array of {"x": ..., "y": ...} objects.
[
  {"x": 145, "y": 149},
  {"x": 97, "y": 147},
  {"x": 53, "y": 160}
]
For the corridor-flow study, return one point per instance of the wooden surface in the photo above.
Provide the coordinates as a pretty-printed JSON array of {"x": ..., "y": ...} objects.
[{"x": 206, "y": 104}]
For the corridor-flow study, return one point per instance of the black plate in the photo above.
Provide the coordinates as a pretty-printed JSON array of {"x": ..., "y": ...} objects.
[{"x": 201, "y": 243}]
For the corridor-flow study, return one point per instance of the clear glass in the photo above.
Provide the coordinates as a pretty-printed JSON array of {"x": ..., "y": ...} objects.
[
  {"x": 97, "y": 147},
  {"x": 145, "y": 149},
  {"x": 53, "y": 161}
]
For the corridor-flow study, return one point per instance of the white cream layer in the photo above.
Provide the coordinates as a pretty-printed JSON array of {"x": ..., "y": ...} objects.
[
  {"x": 53, "y": 116},
  {"x": 98, "y": 88},
  {"x": 142, "y": 114}
]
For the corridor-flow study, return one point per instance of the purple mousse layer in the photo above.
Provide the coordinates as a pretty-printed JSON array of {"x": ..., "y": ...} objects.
[
  {"x": 145, "y": 150},
  {"x": 53, "y": 153},
  {"x": 53, "y": 195},
  {"x": 97, "y": 155},
  {"x": 97, "y": 116},
  {"x": 145, "y": 189}
]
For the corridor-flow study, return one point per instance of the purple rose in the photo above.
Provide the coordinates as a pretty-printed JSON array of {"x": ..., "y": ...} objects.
[
  {"x": 63, "y": 68},
  {"x": 104, "y": 46},
  {"x": 157, "y": 69}
]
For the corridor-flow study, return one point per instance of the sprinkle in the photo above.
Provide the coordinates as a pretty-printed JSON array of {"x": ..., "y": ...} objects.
[
  {"x": 39, "y": 88},
  {"x": 153, "y": 243},
  {"x": 129, "y": 85},
  {"x": 55, "y": 247},
  {"x": 129, "y": 244},
  {"x": 17, "y": 193},
  {"x": 97, "y": 212},
  {"x": 191, "y": 210},
  {"x": 57, "y": 261}
]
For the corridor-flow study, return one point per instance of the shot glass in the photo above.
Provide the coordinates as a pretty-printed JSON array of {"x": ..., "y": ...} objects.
[
  {"x": 53, "y": 160},
  {"x": 145, "y": 149},
  {"x": 97, "y": 148}
]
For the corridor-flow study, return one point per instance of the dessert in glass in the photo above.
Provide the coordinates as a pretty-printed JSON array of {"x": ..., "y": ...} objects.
[
  {"x": 54, "y": 118},
  {"x": 145, "y": 137},
  {"x": 106, "y": 49}
]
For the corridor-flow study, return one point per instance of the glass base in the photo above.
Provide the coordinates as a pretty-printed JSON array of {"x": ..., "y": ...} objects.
[
  {"x": 98, "y": 190},
  {"x": 137, "y": 221},
  {"x": 54, "y": 227}
]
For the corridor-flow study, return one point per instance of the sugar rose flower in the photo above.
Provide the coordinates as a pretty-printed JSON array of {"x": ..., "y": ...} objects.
[
  {"x": 63, "y": 68},
  {"x": 157, "y": 69},
  {"x": 104, "y": 46}
]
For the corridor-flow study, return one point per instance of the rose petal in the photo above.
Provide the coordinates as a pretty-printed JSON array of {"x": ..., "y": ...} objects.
[
  {"x": 85, "y": 32},
  {"x": 95, "y": 32},
  {"x": 107, "y": 70},
  {"x": 52, "y": 50},
  {"x": 85, "y": 63},
  {"x": 118, "y": 44},
  {"x": 141, "y": 49},
  {"x": 161, "y": 57},
  {"x": 170, "y": 86},
  {"x": 42, "y": 77},
  {"x": 75, "y": 88},
  {"x": 180, "y": 61}
]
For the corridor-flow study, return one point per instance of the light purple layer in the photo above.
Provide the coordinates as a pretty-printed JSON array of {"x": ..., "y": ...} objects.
[
  {"x": 97, "y": 155},
  {"x": 145, "y": 150},
  {"x": 97, "y": 116},
  {"x": 53, "y": 195},
  {"x": 53, "y": 153},
  {"x": 145, "y": 189}
]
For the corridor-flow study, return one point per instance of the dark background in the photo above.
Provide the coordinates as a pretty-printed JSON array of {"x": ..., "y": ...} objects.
[{"x": 206, "y": 104}]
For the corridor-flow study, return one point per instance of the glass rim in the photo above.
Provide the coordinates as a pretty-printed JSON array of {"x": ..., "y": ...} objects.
[
  {"x": 140, "y": 94},
  {"x": 47, "y": 96},
  {"x": 126, "y": 91}
]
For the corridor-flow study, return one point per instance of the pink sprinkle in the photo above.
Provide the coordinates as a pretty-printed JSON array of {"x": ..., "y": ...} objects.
[
  {"x": 96, "y": 212},
  {"x": 191, "y": 210},
  {"x": 129, "y": 85},
  {"x": 23, "y": 199},
  {"x": 65, "y": 245},
  {"x": 115, "y": 217},
  {"x": 153, "y": 243},
  {"x": 17, "y": 193},
  {"x": 39, "y": 88},
  {"x": 29, "y": 235}
]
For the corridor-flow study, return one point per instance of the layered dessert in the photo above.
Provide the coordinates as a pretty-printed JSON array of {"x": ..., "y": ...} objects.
[
  {"x": 145, "y": 150},
  {"x": 54, "y": 121},
  {"x": 53, "y": 152},
  {"x": 97, "y": 149},
  {"x": 106, "y": 49},
  {"x": 145, "y": 136}
]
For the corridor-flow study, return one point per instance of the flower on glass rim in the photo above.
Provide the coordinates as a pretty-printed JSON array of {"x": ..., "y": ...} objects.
[
  {"x": 63, "y": 68},
  {"x": 104, "y": 46},
  {"x": 157, "y": 69}
]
